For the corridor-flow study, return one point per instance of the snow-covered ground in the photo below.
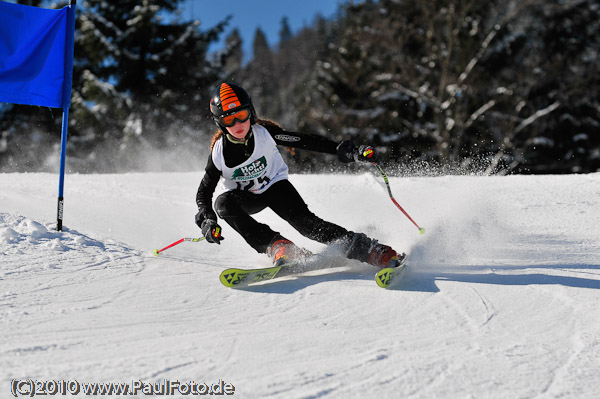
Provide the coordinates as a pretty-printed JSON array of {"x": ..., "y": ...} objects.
[{"x": 501, "y": 298}]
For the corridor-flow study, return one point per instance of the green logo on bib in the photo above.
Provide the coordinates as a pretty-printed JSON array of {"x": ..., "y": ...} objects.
[{"x": 251, "y": 171}]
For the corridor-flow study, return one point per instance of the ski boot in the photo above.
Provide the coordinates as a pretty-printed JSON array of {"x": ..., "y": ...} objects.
[
  {"x": 282, "y": 251},
  {"x": 384, "y": 256},
  {"x": 367, "y": 250}
]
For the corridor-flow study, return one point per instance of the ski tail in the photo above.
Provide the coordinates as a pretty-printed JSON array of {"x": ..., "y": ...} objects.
[{"x": 242, "y": 277}]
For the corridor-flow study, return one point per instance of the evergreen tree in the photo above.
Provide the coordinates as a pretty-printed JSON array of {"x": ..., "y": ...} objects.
[
  {"x": 141, "y": 83},
  {"x": 259, "y": 75},
  {"x": 233, "y": 57},
  {"x": 147, "y": 77},
  {"x": 285, "y": 33},
  {"x": 513, "y": 86},
  {"x": 559, "y": 125},
  {"x": 459, "y": 82}
]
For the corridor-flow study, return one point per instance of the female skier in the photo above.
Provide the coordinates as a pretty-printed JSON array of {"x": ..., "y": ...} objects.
[{"x": 244, "y": 153}]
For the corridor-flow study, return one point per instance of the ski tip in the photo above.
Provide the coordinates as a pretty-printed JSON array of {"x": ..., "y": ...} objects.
[
  {"x": 227, "y": 277},
  {"x": 386, "y": 276}
]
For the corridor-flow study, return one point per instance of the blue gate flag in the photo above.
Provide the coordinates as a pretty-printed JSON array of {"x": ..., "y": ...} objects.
[{"x": 36, "y": 63}]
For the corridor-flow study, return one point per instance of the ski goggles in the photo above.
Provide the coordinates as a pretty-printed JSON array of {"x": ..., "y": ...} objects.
[{"x": 239, "y": 116}]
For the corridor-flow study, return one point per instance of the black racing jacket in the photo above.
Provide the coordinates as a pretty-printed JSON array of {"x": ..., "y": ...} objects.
[{"x": 235, "y": 154}]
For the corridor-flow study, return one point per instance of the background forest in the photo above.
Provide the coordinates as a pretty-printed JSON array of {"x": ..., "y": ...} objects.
[{"x": 478, "y": 85}]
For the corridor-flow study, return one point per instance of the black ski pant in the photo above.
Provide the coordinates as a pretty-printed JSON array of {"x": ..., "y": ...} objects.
[{"x": 236, "y": 206}]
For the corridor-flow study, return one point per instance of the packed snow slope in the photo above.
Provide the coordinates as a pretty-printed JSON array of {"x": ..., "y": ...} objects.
[{"x": 501, "y": 298}]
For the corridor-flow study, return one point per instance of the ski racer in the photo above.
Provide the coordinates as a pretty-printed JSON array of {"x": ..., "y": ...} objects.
[{"x": 244, "y": 154}]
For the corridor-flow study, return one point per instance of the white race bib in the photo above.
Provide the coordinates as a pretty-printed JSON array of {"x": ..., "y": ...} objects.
[{"x": 263, "y": 168}]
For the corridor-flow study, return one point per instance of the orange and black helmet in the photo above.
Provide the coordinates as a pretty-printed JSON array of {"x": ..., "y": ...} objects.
[{"x": 229, "y": 99}]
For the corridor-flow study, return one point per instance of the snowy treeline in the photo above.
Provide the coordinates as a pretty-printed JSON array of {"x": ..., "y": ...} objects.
[{"x": 491, "y": 86}]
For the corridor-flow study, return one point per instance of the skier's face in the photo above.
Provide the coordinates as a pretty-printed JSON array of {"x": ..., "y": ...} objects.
[{"x": 240, "y": 129}]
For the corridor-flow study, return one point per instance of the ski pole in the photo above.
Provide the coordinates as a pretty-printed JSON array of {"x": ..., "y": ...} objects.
[
  {"x": 387, "y": 183},
  {"x": 158, "y": 251}
]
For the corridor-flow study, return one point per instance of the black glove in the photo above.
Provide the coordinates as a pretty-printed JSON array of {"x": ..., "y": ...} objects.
[
  {"x": 207, "y": 221},
  {"x": 211, "y": 231},
  {"x": 366, "y": 153},
  {"x": 348, "y": 152}
]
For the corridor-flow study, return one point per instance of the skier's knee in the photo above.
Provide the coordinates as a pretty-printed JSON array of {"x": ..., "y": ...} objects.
[{"x": 226, "y": 206}]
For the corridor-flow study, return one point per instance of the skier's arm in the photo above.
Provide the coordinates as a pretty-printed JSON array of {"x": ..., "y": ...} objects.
[
  {"x": 304, "y": 141},
  {"x": 205, "y": 192},
  {"x": 346, "y": 151},
  {"x": 206, "y": 218}
]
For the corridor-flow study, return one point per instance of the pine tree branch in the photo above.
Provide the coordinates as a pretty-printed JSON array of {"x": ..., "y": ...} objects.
[{"x": 540, "y": 113}]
